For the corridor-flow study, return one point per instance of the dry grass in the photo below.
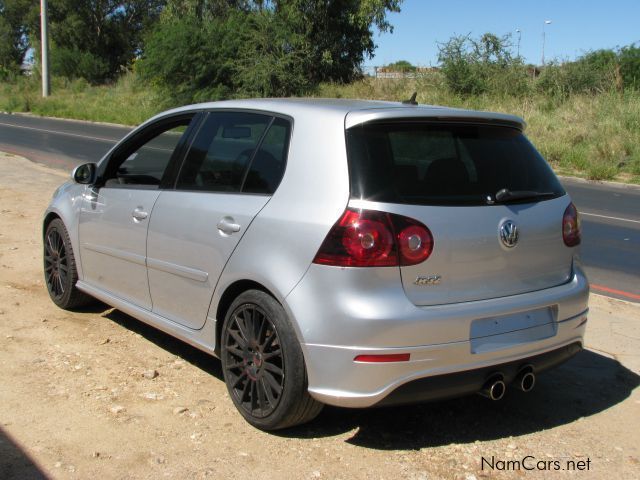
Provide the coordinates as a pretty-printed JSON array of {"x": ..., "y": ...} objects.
[
  {"x": 593, "y": 136},
  {"x": 126, "y": 102}
]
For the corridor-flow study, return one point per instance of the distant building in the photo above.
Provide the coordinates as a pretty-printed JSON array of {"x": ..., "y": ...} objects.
[{"x": 390, "y": 72}]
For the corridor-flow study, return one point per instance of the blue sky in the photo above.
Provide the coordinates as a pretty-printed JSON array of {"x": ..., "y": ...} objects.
[{"x": 577, "y": 27}]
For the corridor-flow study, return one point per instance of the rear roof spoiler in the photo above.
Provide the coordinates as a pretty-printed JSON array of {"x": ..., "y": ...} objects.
[{"x": 432, "y": 114}]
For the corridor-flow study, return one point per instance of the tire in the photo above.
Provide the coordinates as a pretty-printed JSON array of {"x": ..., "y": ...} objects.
[
  {"x": 263, "y": 365},
  {"x": 60, "y": 272}
]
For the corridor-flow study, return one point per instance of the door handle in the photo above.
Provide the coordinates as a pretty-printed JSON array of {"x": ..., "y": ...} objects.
[
  {"x": 139, "y": 214},
  {"x": 228, "y": 226}
]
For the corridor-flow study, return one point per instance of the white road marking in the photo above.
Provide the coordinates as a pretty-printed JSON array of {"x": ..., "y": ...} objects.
[
  {"x": 59, "y": 133},
  {"x": 55, "y": 132},
  {"x": 610, "y": 218}
]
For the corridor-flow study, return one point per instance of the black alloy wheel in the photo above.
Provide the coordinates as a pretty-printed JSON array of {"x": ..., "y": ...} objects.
[
  {"x": 56, "y": 266},
  {"x": 254, "y": 363},
  {"x": 60, "y": 271},
  {"x": 263, "y": 364}
]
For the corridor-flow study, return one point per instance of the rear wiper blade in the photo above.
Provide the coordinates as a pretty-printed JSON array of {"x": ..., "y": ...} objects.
[{"x": 506, "y": 195}]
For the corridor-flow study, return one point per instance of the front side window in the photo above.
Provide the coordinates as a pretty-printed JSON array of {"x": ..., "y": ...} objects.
[{"x": 143, "y": 159}]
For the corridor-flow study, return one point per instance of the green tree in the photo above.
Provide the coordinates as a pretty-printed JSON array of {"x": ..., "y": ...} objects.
[
  {"x": 191, "y": 59},
  {"x": 271, "y": 61},
  {"x": 338, "y": 33},
  {"x": 212, "y": 49},
  {"x": 207, "y": 9},
  {"x": 401, "y": 66},
  {"x": 13, "y": 34},
  {"x": 97, "y": 39}
]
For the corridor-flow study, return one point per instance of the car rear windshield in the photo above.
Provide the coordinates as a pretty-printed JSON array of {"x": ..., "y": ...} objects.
[{"x": 428, "y": 163}]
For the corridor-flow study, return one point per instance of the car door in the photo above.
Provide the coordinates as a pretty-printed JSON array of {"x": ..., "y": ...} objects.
[
  {"x": 233, "y": 166},
  {"x": 115, "y": 212}
]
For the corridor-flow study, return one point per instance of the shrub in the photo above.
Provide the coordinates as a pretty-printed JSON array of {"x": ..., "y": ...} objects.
[
  {"x": 72, "y": 63},
  {"x": 485, "y": 65},
  {"x": 593, "y": 73},
  {"x": 629, "y": 60}
]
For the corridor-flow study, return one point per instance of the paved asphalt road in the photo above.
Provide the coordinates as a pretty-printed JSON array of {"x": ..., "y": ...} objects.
[{"x": 610, "y": 213}]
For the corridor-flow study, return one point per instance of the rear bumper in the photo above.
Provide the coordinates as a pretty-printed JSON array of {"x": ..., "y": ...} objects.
[
  {"x": 372, "y": 317},
  {"x": 458, "y": 384}
]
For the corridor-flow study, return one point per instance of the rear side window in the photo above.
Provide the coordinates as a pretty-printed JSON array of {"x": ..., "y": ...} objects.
[
  {"x": 222, "y": 151},
  {"x": 267, "y": 167},
  {"x": 444, "y": 164}
]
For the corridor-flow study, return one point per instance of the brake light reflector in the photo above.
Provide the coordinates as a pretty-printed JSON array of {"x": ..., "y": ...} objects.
[
  {"x": 571, "y": 233},
  {"x": 369, "y": 238},
  {"x": 384, "y": 358}
]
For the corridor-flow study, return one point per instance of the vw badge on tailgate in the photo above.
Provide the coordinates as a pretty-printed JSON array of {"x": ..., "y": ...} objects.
[{"x": 509, "y": 234}]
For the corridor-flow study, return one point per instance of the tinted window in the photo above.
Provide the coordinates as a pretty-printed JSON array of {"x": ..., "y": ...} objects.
[
  {"x": 444, "y": 164},
  {"x": 221, "y": 152},
  {"x": 267, "y": 167},
  {"x": 144, "y": 158}
]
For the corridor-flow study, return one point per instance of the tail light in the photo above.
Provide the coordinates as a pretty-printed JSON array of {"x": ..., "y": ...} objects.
[
  {"x": 571, "y": 226},
  {"x": 368, "y": 238}
]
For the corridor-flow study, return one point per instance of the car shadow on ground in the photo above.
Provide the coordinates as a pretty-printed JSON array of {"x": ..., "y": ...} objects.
[
  {"x": 587, "y": 384},
  {"x": 15, "y": 464},
  {"x": 190, "y": 354},
  {"x": 95, "y": 306}
]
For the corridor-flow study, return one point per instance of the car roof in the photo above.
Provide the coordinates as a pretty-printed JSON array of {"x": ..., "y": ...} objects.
[{"x": 353, "y": 111}]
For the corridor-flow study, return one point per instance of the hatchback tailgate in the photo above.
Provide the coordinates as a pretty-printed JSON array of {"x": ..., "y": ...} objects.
[
  {"x": 472, "y": 263},
  {"x": 464, "y": 180}
]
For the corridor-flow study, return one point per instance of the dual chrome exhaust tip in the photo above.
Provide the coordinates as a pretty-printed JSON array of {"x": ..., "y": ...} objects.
[
  {"x": 525, "y": 380},
  {"x": 495, "y": 387}
]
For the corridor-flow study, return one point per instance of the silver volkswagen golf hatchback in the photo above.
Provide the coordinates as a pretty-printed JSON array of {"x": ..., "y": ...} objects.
[{"x": 349, "y": 253}]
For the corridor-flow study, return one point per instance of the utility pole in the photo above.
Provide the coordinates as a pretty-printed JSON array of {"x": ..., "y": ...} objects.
[
  {"x": 519, "y": 32},
  {"x": 546, "y": 22},
  {"x": 44, "y": 40}
]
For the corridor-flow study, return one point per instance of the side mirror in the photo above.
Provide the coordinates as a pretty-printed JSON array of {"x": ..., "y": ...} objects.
[{"x": 84, "y": 174}]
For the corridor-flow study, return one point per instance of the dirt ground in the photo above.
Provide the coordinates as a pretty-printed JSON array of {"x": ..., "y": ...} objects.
[{"x": 97, "y": 394}]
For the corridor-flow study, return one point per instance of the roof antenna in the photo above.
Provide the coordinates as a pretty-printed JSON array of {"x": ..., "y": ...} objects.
[{"x": 412, "y": 100}]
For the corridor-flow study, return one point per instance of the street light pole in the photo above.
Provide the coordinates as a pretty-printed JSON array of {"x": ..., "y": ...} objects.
[
  {"x": 546, "y": 22},
  {"x": 44, "y": 40},
  {"x": 519, "y": 32}
]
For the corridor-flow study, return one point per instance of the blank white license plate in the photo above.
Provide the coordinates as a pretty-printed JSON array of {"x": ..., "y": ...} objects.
[{"x": 496, "y": 333}]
